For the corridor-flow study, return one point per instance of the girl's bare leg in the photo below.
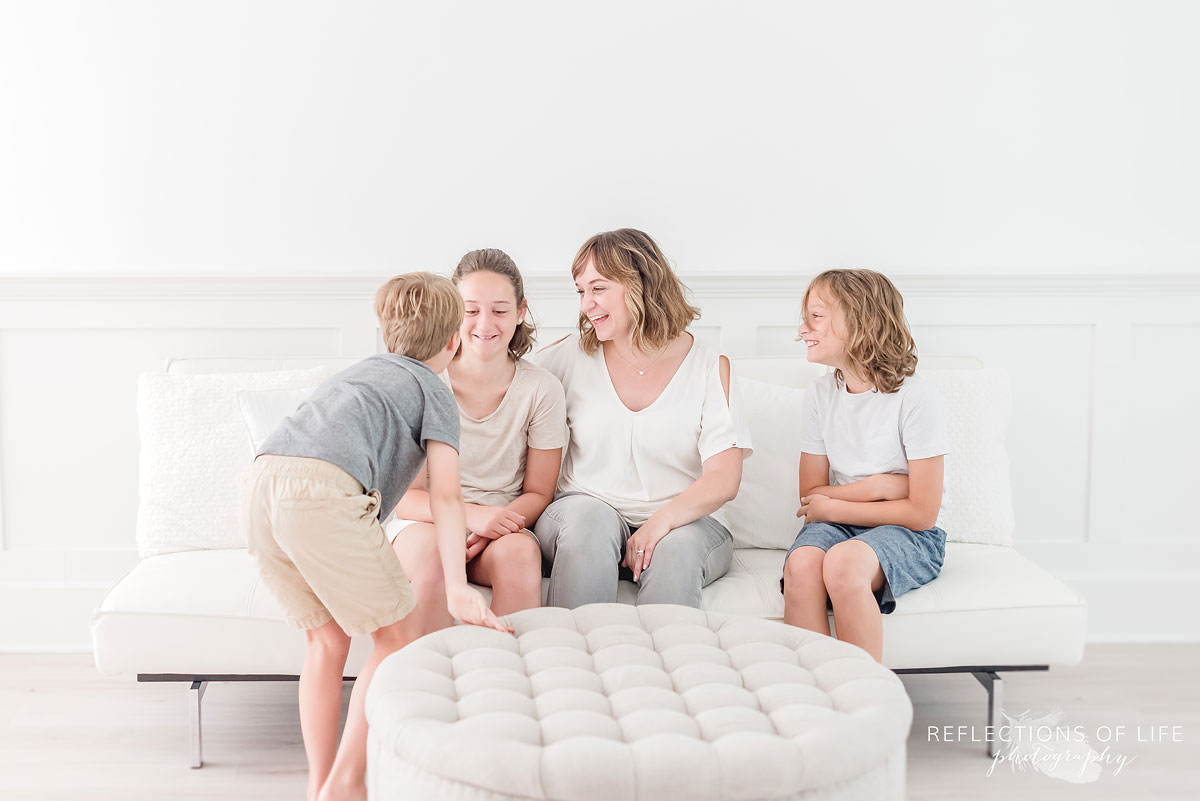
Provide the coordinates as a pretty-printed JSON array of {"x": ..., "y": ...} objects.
[
  {"x": 512, "y": 567},
  {"x": 416, "y": 547}
]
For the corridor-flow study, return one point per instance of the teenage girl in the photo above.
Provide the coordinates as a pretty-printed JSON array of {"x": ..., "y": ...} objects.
[
  {"x": 513, "y": 422},
  {"x": 871, "y": 464}
]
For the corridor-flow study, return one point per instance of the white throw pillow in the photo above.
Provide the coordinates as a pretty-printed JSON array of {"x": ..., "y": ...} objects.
[
  {"x": 978, "y": 480},
  {"x": 195, "y": 456},
  {"x": 763, "y": 515},
  {"x": 264, "y": 409}
]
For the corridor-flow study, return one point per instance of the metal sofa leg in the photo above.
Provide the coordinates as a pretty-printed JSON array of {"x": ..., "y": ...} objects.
[
  {"x": 994, "y": 685},
  {"x": 195, "y": 745}
]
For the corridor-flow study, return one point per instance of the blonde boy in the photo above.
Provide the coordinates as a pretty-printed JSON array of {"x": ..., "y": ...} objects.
[{"x": 319, "y": 486}]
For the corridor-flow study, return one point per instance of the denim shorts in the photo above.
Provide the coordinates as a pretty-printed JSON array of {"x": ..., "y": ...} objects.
[{"x": 909, "y": 558}]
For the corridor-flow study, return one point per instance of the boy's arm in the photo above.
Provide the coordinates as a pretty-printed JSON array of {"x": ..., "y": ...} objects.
[
  {"x": 446, "y": 507},
  {"x": 917, "y": 512},
  {"x": 814, "y": 480},
  {"x": 445, "y": 501}
]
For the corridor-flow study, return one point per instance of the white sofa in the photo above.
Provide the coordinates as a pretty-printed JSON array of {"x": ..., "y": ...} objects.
[{"x": 194, "y": 609}]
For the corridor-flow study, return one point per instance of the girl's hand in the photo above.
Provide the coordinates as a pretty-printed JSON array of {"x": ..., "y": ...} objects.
[
  {"x": 475, "y": 545},
  {"x": 493, "y": 522},
  {"x": 816, "y": 508},
  {"x": 466, "y": 604},
  {"x": 639, "y": 549}
]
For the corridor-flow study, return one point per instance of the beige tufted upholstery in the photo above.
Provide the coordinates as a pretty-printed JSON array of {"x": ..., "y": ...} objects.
[{"x": 611, "y": 701}]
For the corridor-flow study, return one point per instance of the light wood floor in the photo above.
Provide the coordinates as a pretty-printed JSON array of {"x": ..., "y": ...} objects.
[{"x": 68, "y": 733}]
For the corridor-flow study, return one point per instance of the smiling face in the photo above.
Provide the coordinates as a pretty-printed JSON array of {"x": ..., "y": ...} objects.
[
  {"x": 602, "y": 301},
  {"x": 821, "y": 329},
  {"x": 492, "y": 314}
]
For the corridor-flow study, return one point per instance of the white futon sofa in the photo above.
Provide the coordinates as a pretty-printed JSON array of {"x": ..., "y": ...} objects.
[{"x": 194, "y": 609}]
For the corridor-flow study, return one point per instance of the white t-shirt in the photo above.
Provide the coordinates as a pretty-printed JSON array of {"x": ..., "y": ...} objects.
[
  {"x": 639, "y": 461},
  {"x": 872, "y": 432}
]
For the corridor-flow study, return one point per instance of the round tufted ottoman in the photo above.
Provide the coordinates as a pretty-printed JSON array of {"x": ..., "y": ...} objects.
[{"x": 612, "y": 701}]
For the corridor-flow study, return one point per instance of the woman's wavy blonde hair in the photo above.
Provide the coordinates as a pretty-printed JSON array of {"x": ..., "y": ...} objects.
[
  {"x": 879, "y": 345},
  {"x": 654, "y": 295},
  {"x": 496, "y": 261}
]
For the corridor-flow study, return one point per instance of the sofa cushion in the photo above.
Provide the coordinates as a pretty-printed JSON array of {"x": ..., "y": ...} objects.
[
  {"x": 264, "y": 409},
  {"x": 207, "y": 612},
  {"x": 195, "y": 456},
  {"x": 978, "y": 484}
]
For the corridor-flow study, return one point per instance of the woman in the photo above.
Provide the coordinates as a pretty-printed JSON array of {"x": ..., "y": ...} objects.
[{"x": 657, "y": 440}]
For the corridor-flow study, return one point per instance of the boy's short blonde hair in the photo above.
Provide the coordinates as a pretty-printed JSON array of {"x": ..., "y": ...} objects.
[{"x": 418, "y": 313}]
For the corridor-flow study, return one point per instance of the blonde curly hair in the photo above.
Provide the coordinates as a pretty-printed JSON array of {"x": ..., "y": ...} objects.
[
  {"x": 654, "y": 295},
  {"x": 879, "y": 346}
]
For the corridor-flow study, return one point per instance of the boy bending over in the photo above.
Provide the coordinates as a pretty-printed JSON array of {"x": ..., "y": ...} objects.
[{"x": 313, "y": 506}]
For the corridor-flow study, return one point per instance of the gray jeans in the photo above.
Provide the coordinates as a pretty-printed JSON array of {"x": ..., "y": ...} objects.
[{"x": 583, "y": 539}]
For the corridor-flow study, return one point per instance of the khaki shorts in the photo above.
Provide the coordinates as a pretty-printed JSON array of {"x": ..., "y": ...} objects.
[{"x": 320, "y": 549}]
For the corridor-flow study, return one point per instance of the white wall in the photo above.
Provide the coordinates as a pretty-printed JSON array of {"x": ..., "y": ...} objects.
[
  {"x": 1027, "y": 170},
  {"x": 1103, "y": 465},
  {"x": 297, "y": 137}
]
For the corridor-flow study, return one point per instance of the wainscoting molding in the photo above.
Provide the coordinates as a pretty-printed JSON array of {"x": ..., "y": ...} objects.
[{"x": 1102, "y": 441}]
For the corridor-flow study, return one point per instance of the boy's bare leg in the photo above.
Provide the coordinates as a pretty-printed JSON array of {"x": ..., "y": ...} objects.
[
  {"x": 804, "y": 596},
  {"x": 416, "y": 547},
  {"x": 852, "y": 575},
  {"x": 512, "y": 567},
  {"x": 325, "y": 652},
  {"x": 348, "y": 779}
]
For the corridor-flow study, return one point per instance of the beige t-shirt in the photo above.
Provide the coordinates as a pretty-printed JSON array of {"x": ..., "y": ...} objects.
[{"x": 493, "y": 449}]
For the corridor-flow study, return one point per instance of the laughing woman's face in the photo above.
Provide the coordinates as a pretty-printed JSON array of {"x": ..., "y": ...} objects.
[{"x": 602, "y": 300}]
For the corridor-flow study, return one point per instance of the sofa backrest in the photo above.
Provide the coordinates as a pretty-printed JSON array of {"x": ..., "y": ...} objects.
[
  {"x": 250, "y": 365},
  {"x": 799, "y": 372},
  {"x": 195, "y": 451}
]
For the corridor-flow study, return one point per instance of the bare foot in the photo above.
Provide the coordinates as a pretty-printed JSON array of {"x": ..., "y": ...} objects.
[{"x": 336, "y": 789}]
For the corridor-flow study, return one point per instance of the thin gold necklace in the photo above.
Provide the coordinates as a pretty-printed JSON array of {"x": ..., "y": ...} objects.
[{"x": 661, "y": 353}]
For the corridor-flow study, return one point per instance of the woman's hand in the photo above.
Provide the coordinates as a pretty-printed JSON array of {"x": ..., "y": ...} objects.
[
  {"x": 639, "y": 549},
  {"x": 466, "y": 604},
  {"x": 817, "y": 508},
  {"x": 493, "y": 522},
  {"x": 475, "y": 545}
]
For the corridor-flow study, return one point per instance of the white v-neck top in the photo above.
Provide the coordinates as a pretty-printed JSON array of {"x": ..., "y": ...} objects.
[{"x": 637, "y": 462}]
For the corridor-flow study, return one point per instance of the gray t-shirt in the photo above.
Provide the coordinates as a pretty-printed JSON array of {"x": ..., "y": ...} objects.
[{"x": 372, "y": 420}]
